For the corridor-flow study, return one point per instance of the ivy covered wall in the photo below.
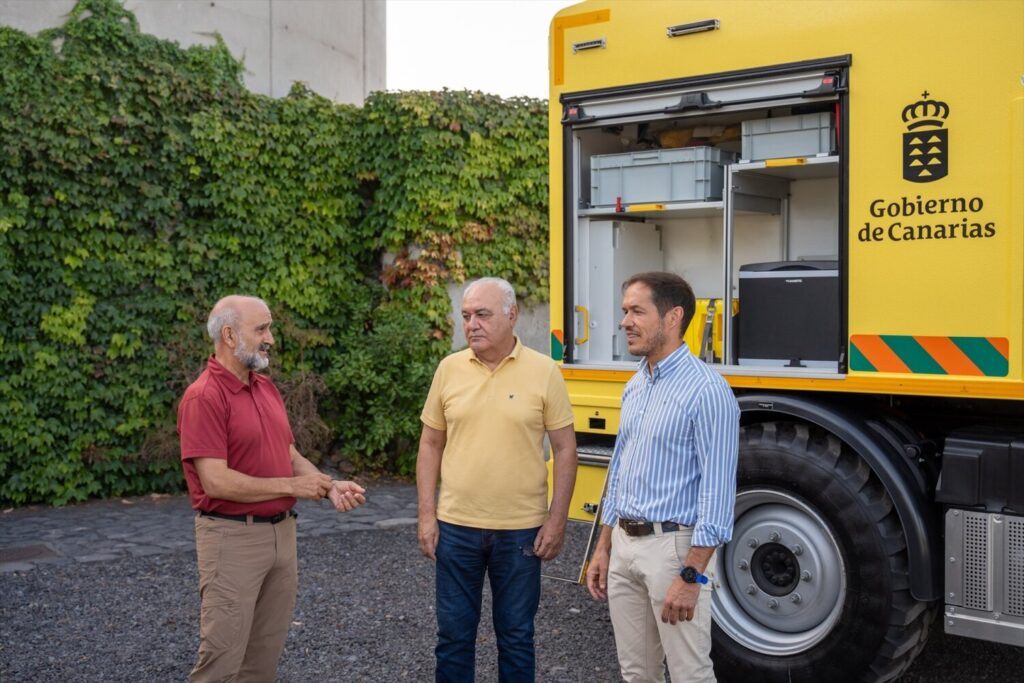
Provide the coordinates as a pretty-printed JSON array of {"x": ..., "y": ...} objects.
[{"x": 140, "y": 182}]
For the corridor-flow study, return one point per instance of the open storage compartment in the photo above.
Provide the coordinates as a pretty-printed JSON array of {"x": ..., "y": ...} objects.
[
  {"x": 658, "y": 181},
  {"x": 683, "y": 174}
]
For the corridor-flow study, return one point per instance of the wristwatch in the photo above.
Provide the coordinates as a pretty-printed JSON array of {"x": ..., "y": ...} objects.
[{"x": 691, "y": 575}]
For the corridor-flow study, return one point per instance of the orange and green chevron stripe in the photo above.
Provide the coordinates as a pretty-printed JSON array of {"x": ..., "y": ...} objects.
[
  {"x": 972, "y": 356},
  {"x": 557, "y": 344}
]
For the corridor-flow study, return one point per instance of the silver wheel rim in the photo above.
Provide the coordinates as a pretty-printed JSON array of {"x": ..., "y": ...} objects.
[{"x": 782, "y": 578}]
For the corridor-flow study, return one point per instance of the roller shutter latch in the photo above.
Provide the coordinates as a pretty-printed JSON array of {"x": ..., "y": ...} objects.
[{"x": 693, "y": 100}]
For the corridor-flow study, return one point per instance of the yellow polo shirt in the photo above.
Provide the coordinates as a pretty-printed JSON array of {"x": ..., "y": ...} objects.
[{"x": 493, "y": 474}]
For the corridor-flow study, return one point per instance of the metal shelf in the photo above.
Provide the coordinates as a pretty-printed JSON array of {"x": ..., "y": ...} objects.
[
  {"x": 799, "y": 168},
  {"x": 658, "y": 210}
]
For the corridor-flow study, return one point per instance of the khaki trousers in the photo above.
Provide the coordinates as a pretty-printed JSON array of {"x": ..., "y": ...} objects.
[
  {"x": 640, "y": 571},
  {"x": 248, "y": 576}
]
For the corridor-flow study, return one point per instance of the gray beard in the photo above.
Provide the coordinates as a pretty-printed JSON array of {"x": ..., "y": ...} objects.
[{"x": 250, "y": 359}]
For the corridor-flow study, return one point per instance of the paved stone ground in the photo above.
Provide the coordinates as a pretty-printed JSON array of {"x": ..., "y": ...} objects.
[{"x": 101, "y": 531}]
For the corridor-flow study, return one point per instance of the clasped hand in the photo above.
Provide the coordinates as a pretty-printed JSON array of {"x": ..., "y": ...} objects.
[{"x": 346, "y": 495}]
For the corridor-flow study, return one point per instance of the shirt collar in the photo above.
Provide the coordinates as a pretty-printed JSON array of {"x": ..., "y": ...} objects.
[
  {"x": 228, "y": 378},
  {"x": 510, "y": 357},
  {"x": 667, "y": 364}
]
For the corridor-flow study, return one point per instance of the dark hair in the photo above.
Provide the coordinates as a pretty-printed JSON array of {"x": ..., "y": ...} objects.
[{"x": 668, "y": 291}]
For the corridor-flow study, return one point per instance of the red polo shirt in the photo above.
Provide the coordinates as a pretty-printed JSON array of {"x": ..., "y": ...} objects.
[{"x": 221, "y": 417}]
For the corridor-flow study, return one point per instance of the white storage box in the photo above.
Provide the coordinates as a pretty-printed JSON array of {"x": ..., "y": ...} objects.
[
  {"x": 806, "y": 135},
  {"x": 684, "y": 174}
]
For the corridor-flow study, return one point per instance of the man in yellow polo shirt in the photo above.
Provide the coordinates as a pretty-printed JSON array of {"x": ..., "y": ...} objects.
[{"x": 483, "y": 434}]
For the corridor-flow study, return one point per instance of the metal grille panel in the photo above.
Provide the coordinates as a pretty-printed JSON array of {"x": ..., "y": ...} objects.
[
  {"x": 1015, "y": 568},
  {"x": 977, "y": 580}
]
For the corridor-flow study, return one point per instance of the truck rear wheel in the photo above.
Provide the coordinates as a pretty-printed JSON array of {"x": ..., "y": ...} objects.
[{"x": 814, "y": 585}]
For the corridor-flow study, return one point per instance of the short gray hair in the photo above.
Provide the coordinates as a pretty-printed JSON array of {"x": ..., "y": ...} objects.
[
  {"x": 225, "y": 314},
  {"x": 508, "y": 294}
]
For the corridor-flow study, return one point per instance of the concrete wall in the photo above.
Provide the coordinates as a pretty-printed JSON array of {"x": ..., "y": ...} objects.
[{"x": 335, "y": 46}]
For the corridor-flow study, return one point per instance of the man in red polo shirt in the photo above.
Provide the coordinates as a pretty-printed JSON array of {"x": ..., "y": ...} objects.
[{"x": 244, "y": 474}]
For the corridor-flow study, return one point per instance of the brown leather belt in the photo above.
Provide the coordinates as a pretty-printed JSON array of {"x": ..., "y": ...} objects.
[{"x": 634, "y": 527}]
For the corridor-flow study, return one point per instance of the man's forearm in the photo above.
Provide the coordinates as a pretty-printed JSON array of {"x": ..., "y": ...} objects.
[
  {"x": 243, "y": 488},
  {"x": 428, "y": 465},
  {"x": 563, "y": 472},
  {"x": 604, "y": 539},
  {"x": 220, "y": 481},
  {"x": 428, "y": 470},
  {"x": 699, "y": 556},
  {"x": 300, "y": 464},
  {"x": 563, "y": 483}
]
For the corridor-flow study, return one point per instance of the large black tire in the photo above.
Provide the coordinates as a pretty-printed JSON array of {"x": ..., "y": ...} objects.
[{"x": 814, "y": 585}]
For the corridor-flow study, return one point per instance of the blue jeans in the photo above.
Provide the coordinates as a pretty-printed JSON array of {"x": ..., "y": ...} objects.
[{"x": 464, "y": 555}]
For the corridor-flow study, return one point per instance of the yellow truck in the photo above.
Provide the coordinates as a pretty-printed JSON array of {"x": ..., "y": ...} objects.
[{"x": 842, "y": 183}]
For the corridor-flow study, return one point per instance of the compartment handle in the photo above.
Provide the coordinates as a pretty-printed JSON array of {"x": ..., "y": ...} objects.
[
  {"x": 586, "y": 325},
  {"x": 694, "y": 100}
]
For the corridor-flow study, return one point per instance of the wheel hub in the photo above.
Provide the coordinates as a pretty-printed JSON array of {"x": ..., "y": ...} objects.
[
  {"x": 783, "y": 580},
  {"x": 775, "y": 569}
]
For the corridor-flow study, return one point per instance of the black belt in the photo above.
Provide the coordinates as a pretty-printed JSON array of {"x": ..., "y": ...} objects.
[
  {"x": 279, "y": 517},
  {"x": 634, "y": 527}
]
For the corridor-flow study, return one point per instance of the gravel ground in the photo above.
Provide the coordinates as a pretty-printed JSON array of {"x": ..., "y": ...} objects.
[{"x": 364, "y": 613}]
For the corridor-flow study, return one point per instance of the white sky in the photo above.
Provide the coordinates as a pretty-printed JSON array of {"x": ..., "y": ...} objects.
[{"x": 497, "y": 46}]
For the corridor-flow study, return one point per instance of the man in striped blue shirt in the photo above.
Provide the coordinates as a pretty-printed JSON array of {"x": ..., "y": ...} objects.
[{"x": 671, "y": 492}]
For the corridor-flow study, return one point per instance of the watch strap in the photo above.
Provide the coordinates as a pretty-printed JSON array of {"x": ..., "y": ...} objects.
[{"x": 690, "y": 574}]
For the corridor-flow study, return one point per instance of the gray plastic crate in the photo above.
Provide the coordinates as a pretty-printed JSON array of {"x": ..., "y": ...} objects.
[
  {"x": 658, "y": 175},
  {"x": 787, "y": 136}
]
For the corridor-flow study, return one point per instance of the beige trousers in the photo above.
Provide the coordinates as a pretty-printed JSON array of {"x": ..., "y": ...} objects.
[
  {"x": 640, "y": 572},
  {"x": 248, "y": 576}
]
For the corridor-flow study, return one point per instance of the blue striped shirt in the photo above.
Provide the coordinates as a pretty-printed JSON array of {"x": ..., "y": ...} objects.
[{"x": 676, "y": 452}]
